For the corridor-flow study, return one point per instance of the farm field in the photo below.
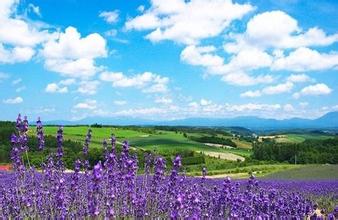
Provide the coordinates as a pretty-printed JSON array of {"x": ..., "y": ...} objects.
[
  {"x": 298, "y": 138},
  {"x": 309, "y": 172},
  {"x": 156, "y": 140}
]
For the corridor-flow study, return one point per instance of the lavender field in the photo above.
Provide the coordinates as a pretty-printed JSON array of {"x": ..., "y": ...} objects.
[{"x": 113, "y": 190}]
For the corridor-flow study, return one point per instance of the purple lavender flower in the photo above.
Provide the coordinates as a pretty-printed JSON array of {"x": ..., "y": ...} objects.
[
  {"x": 87, "y": 142},
  {"x": 39, "y": 134},
  {"x": 59, "y": 152},
  {"x": 115, "y": 191}
]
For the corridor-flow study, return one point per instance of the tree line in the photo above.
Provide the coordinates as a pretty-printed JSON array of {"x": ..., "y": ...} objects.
[{"x": 307, "y": 152}]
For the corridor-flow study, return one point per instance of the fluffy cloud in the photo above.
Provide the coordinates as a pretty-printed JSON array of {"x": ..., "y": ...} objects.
[
  {"x": 244, "y": 79},
  {"x": 288, "y": 108},
  {"x": 305, "y": 59},
  {"x": 284, "y": 87},
  {"x": 15, "y": 55},
  {"x": 18, "y": 37},
  {"x": 277, "y": 89},
  {"x": 298, "y": 78},
  {"x": 313, "y": 90},
  {"x": 72, "y": 55},
  {"x": 147, "y": 81},
  {"x": 16, "y": 100},
  {"x": 21, "y": 88},
  {"x": 16, "y": 81},
  {"x": 251, "y": 94},
  {"x": 88, "y": 104},
  {"x": 88, "y": 87},
  {"x": 67, "y": 82},
  {"x": 120, "y": 102},
  {"x": 110, "y": 16},
  {"x": 204, "y": 102},
  {"x": 55, "y": 88},
  {"x": 276, "y": 29},
  {"x": 143, "y": 112},
  {"x": 249, "y": 107},
  {"x": 202, "y": 56},
  {"x": 187, "y": 22},
  {"x": 164, "y": 100},
  {"x": 35, "y": 9},
  {"x": 235, "y": 71}
]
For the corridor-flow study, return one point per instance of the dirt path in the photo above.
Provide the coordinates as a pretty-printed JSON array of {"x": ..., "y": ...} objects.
[{"x": 224, "y": 156}]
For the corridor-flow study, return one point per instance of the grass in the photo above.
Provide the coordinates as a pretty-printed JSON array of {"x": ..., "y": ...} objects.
[
  {"x": 298, "y": 138},
  {"x": 244, "y": 172},
  {"x": 159, "y": 140},
  {"x": 315, "y": 171}
]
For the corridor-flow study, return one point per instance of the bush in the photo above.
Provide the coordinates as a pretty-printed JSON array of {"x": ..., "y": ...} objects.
[{"x": 193, "y": 160}]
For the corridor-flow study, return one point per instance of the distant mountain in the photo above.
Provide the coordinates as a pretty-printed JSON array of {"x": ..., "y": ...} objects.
[{"x": 329, "y": 120}]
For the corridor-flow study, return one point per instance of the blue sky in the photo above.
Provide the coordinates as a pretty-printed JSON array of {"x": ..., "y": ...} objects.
[{"x": 72, "y": 59}]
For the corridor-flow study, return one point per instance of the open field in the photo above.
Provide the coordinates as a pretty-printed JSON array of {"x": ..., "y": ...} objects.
[
  {"x": 257, "y": 170},
  {"x": 298, "y": 138},
  {"x": 316, "y": 171},
  {"x": 157, "y": 140}
]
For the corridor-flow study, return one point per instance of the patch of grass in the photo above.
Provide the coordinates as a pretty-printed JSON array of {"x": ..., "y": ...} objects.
[
  {"x": 244, "y": 171},
  {"x": 318, "y": 171},
  {"x": 298, "y": 138},
  {"x": 160, "y": 140}
]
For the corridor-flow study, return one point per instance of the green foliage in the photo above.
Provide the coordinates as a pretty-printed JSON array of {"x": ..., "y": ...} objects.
[
  {"x": 309, "y": 151},
  {"x": 193, "y": 160},
  {"x": 214, "y": 140}
]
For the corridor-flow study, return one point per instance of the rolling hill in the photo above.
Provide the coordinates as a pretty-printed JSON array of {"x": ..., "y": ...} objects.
[{"x": 329, "y": 120}]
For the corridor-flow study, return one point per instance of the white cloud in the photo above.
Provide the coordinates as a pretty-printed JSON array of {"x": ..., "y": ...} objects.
[
  {"x": 298, "y": 78},
  {"x": 18, "y": 36},
  {"x": 15, "y": 55},
  {"x": 204, "y": 102},
  {"x": 164, "y": 100},
  {"x": 88, "y": 104},
  {"x": 35, "y": 9},
  {"x": 243, "y": 79},
  {"x": 235, "y": 71},
  {"x": 72, "y": 55},
  {"x": 67, "y": 82},
  {"x": 55, "y": 88},
  {"x": 276, "y": 31},
  {"x": 153, "y": 112},
  {"x": 16, "y": 81},
  {"x": 261, "y": 32},
  {"x": 16, "y": 100},
  {"x": 110, "y": 16},
  {"x": 120, "y": 102},
  {"x": 21, "y": 88},
  {"x": 251, "y": 94},
  {"x": 248, "y": 60},
  {"x": 187, "y": 22},
  {"x": 313, "y": 90},
  {"x": 201, "y": 56},
  {"x": 45, "y": 110},
  {"x": 287, "y": 86},
  {"x": 288, "y": 108},
  {"x": 249, "y": 107},
  {"x": 88, "y": 87},
  {"x": 303, "y": 104},
  {"x": 147, "y": 81},
  {"x": 305, "y": 59},
  {"x": 277, "y": 89}
]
